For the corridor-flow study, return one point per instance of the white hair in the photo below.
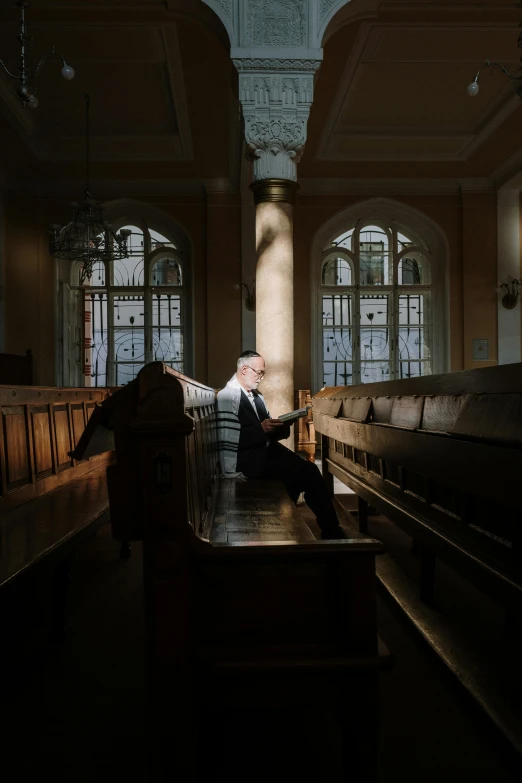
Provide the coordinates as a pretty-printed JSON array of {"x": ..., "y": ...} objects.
[{"x": 245, "y": 358}]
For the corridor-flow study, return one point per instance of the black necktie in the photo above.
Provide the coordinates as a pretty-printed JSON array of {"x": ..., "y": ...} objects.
[{"x": 260, "y": 408}]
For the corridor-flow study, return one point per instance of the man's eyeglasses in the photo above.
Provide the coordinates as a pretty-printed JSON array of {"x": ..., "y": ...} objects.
[{"x": 259, "y": 373}]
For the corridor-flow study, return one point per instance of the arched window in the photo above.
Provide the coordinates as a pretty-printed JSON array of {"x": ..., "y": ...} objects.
[
  {"x": 129, "y": 312},
  {"x": 376, "y": 302}
]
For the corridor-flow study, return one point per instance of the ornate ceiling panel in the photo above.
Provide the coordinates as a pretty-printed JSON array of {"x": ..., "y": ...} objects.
[{"x": 389, "y": 98}]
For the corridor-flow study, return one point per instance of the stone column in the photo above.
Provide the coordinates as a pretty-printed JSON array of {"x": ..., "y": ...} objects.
[
  {"x": 275, "y": 109},
  {"x": 274, "y": 200},
  {"x": 276, "y": 48}
]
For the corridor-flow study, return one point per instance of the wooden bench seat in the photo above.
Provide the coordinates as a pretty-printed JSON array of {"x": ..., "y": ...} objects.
[
  {"x": 49, "y": 527},
  {"x": 441, "y": 457},
  {"x": 256, "y": 510},
  {"x": 49, "y": 501},
  {"x": 242, "y": 604}
]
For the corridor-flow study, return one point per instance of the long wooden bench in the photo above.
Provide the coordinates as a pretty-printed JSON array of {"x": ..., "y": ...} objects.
[
  {"x": 242, "y": 604},
  {"x": 49, "y": 502},
  {"x": 440, "y": 456}
]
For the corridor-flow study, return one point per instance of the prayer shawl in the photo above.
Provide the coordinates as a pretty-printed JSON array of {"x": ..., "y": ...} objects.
[{"x": 228, "y": 425}]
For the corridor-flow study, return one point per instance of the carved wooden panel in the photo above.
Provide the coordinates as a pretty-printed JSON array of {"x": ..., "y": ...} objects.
[
  {"x": 407, "y": 412},
  {"x": 78, "y": 420},
  {"x": 494, "y": 416},
  {"x": 42, "y": 440},
  {"x": 441, "y": 412},
  {"x": 16, "y": 446},
  {"x": 356, "y": 409},
  {"x": 63, "y": 436},
  {"x": 382, "y": 407}
]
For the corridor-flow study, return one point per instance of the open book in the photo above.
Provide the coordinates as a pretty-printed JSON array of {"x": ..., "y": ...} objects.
[{"x": 288, "y": 418}]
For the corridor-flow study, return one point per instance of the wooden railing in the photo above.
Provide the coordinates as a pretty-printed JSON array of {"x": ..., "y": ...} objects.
[{"x": 305, "y": 439}]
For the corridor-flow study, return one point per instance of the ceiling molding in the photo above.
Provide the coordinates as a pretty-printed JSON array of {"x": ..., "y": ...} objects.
[
  {"x": 509, "y": 173},
  {"x": 340, "y": 156},
  {"x": 359, "y": 186},
  {"x": 349, "y": 72},
  {"x": 104, "y": 190},
  {"x": 366, "y": 45},
  {"x": 177, "y": 86},
  {"x": 149, "y": 147}
]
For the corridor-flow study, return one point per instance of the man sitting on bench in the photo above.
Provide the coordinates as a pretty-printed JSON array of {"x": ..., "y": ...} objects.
[{"x": 248, "y": 444}]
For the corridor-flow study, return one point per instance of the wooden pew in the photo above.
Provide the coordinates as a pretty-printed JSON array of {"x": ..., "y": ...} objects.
[
  {"x": 49, "y": 501},
  {"x": 441, "y": 457},
  {"x": 242, "y": 604}
]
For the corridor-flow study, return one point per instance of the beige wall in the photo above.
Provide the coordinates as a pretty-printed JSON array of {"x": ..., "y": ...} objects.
[
  {"x": 213, "y": 224},
  {"x": 479, "y": 274},
  {"x": 469, "y": 224},
  {"x": 223, "y": 275}
]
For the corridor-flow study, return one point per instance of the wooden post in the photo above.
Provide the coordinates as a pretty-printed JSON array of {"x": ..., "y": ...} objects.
[{"x": 327, "y": 476}]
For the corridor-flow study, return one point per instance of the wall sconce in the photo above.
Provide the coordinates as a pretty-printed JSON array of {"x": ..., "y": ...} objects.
[
  {"x": 250, "y": 298},
  {"x": 510, "y": 290}
]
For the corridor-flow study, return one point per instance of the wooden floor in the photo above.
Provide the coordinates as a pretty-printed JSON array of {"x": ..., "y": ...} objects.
[{"x": 77, "y": 713}]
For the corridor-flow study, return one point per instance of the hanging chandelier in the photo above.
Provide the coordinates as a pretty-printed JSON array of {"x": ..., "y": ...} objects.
[
  {"x": 26, "y": 89},
  {"x": 88, "y": 239},
  {"x": 473, "y": 88}
]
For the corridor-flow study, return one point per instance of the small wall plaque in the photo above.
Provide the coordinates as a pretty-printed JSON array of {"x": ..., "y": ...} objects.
[{"x": 480, "y": 349}]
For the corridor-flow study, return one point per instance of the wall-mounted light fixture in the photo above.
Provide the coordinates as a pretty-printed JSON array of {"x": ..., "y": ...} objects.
[
  {"x": 250, "y": 298},
  {"x": 510, "y": 291},
  {"x": 473, "y": 88}
]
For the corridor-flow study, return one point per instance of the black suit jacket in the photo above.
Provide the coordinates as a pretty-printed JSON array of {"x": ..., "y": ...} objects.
[{"x": 253, "y": 441}]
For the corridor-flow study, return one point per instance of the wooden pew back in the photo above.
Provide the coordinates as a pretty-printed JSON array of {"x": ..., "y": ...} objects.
[
  {"x": 442, "y": 456},
  {"x": 238, "y": 621},
  {"x": 39, "y": 426},
  {"x": 163, "y": 404}
]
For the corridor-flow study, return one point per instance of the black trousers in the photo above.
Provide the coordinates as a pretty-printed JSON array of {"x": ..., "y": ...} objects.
[{"x": 298, "y": 476}]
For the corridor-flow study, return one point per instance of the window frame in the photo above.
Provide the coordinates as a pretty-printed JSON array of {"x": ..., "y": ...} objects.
[
  {"x": 72, "y": 343},
  {"x": 392, "y": 228}
]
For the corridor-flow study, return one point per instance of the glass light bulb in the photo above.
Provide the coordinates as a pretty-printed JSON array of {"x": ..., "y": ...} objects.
[
  {"x": 33, "y": 102},
  {"x": 68, "y": 72},
  {"x": 473, "y": 89}
]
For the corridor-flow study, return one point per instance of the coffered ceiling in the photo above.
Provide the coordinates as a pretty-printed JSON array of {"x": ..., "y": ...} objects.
[{"x": 390, "y": 96}]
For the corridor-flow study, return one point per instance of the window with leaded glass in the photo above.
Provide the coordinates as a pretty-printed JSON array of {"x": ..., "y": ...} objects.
[
  {"x": 133, "y": 310},
  {"x": 376, "y": 304}
]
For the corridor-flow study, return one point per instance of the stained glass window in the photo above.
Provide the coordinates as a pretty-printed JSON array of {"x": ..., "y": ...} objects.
[
  {"x": 376, "y": 306},
  {"x": 133, "y": 311}
]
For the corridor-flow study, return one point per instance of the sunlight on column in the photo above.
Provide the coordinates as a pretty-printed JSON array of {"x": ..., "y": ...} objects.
[{"x": 275, "y": 303}]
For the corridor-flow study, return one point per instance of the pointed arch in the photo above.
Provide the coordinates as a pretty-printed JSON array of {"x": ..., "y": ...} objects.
[{"x": 427, "y": 237}]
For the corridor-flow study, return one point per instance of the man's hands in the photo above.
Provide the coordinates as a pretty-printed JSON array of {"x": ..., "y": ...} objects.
[{"x": 269, "y": 425}]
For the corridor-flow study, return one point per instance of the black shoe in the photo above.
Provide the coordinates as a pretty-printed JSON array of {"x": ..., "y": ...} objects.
[{"x": 332, "y": 533}]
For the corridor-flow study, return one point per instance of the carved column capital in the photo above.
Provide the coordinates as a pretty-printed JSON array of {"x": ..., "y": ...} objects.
[
  {"x": 276, "y": 46},
  {"x": 276, "y": 105}
]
